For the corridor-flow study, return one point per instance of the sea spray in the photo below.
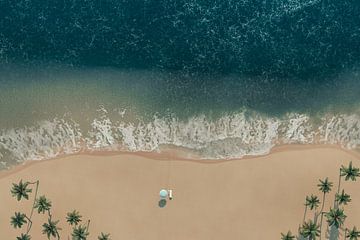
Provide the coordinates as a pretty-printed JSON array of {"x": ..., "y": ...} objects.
[{"x": 232, "y": 135}]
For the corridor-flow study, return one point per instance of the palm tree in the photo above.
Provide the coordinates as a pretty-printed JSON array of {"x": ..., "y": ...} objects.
[
  {"x": 342, "y": 198},
  {"x": 50, "y": 229},
  {"x": 73, "y": 218},
  {"x": 24, "y": 237},
  {"x": 287, "y": 236},
  {"x": 21, "y": 190},
  {"x": 42, "y": 204},
  {"x": 80, "y": 233},
  {"x": 310, "y": 230},
  {"x": 325, "y": 187},
  {"x": 104, "y": 236},
  {"x": 335, "y": 217},
  {"x": 18, "y": 220},
  {"x": 350, "y": 172},
  {"x": 353, "y": 234},
  {"x": 312, "y": 202}
]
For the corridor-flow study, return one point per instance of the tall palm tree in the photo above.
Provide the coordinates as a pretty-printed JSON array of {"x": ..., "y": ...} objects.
[
  {"x": 335, "y": 217},
  {"x": 325, "y": 187},
  {"x": 18, "y": 220},
  {"x": 310, "y": 230},
  {"x": 50, "y": 229},
  {"x": 349, "y": 173},
  {"x": 73, "y": 218},
  {"x": 311, "y": 203},
  {"x": 21, "y": 190},
  {"x": 352, "y": 234},
  {"x": 24, "y": 237},
  {"x": 287, "y": 236},
  {"x": 106, "y": 236},
  {"x": 342, "y": 198},
  {"x": 80, "y": 233},
  {"x": 42, "y": 204}
]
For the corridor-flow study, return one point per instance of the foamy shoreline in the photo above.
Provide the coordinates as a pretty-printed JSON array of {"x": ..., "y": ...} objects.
[
  {"x": 173, "y": 153},
  {"x": 231, "y": 136}
]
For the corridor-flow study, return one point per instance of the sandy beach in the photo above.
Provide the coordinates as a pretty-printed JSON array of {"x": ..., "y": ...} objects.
[{"x": 252, "y": 198}]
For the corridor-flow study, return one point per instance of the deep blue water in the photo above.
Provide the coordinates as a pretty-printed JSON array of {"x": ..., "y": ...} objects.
[
  {"x": 227, "y": 78},
  {"x": 297, "y": 39},
  {"x": 286, "y": 54}
]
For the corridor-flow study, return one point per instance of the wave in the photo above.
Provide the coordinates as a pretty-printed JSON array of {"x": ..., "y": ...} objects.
[{"x": 233, "y": 135}]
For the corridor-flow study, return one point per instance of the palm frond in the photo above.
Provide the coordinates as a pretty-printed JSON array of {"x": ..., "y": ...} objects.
[
  {"x": 335, "y": 217},
  {"x": 21, "y": 190},
  {"x": 106, "y": 236},
  {"x": 80, "y": 233},
  {"x": 42, "y": 204},
  {"x": 50, "y": 228},
  {"x": 18, "y": 220},
  {"x": 353, "y": 234},
  {"x": 342, "y": 198},
  {"x": 24, "y": 237},
  {"x": 73, "y": 218},
  {"x": 287, "y": 236},
  {"x": 325, "y": 185}
]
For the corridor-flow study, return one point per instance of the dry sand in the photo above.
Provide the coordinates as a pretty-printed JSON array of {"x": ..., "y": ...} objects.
[{"x": 254, "y": 198}]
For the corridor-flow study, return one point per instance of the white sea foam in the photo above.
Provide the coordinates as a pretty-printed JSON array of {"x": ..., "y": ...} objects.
[
  {"x": 230, "y": 136},
  {"x": 100, "y": 136},
  {"x": 342, "y": 129},
  {"x": 46, "y": 139}
]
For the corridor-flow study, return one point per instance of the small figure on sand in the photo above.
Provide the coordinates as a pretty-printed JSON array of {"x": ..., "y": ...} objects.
[{"x": 170, "y": 194}]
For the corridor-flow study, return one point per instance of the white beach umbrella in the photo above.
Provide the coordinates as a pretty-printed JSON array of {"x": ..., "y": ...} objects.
[{"x": 163, "y": 193}]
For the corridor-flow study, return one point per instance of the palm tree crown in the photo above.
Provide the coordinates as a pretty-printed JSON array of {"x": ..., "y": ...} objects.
[
  {"x": 343, "y": 198},
  {"x": 104, "y": 236},
  {"x": 18, "y": 220},
  {"x": 335, "y": 217},
  {"x": 24, "y": 237},
  {"x": 325, "y": 185},
  {"x": 42, "y": 204},
  {"x": 73, "y": 218},
  {"x": 312, "y": 202},
  {"x": 20, "y": 190},
  {"x": 310, "y": 230},
  {"x": 353, "y": 234},
  {"x": 50, "y": 228},
  {"x": 349, "y": 172},
  {"x": 80, "y": 233},
  {"x": 287, "y": 236}
]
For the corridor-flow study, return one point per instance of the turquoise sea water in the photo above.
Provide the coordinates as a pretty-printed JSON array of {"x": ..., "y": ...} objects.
[{"x": 223, "y": 78}]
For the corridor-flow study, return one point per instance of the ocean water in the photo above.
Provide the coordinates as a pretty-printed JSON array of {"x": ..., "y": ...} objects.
[{"x": 224, "y": 79}]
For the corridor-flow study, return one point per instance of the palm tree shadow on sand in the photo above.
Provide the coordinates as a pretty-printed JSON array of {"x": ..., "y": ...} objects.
[{"x": 162, "y": 203}]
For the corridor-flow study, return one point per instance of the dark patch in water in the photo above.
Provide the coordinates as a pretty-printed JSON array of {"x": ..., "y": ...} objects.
[{"x": 283, "y": 39}]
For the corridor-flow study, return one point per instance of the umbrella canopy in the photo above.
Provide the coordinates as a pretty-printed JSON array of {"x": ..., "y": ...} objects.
[{"x": 163, "y": 193}]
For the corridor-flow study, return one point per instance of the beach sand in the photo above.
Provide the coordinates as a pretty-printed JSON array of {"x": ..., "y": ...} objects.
[{"x": 252, "y": 198}]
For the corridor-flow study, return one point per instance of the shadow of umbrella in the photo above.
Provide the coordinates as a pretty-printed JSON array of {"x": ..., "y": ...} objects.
[{"x": 162, "y": 203}]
